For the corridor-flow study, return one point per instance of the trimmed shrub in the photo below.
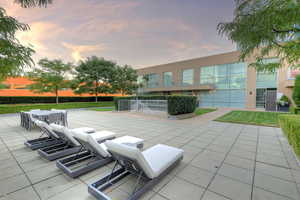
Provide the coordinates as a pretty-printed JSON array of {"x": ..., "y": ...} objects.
[
  {"x": 178, "y": 104},
  {"x": 296, "y": 91},
  {"x": 181, "y": 104},
  {"x": 17, "y": 108},
  {"x": 294, "y": 110},
  {"x": 30, "y": 100},
  {"x": 290, "y": 125}
]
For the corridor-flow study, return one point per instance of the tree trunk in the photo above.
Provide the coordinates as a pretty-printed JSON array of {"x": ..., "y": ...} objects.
[
  {"x": 96, "y": 91},
  {"x": 56, "y": 94}
]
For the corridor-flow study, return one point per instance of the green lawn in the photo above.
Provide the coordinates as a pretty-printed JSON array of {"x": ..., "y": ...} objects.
[
  {"x": 15, "y": 108},
  {"x": 201, "y": 111},
  {"x": 251, "y": 117},
  {"x": 103, "y": 109}
]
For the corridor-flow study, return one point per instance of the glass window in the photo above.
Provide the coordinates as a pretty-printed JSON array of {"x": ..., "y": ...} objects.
[
  {"x": 187, "y": 77},
  {"x": 238, "y": 68},
  {"x": 153, "y": 81},
  {"x": 265, "y": 79},
  {"x": 207, "y": 75},
  {"x": 168, "y": 79},
  {"x": 222, "y": 82},
  {"x": 221, "y": 70},
  {"x": 207, "y": 71},
  {"x": 140, "y": 79},
  {"x": 237, "y": 82}
]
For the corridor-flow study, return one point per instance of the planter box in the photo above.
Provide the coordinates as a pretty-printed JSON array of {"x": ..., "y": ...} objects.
[{"x": 183, "y": 116}]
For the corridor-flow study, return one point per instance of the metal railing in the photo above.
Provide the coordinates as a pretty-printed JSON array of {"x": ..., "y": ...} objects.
[{"x": 146, "y": 106}]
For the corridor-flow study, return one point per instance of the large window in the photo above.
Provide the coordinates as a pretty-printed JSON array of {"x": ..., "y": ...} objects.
[
  {"x": 226, "y": 76},
  {"x": 266, "y": 79},
  {"x": 230, "y": 83},
  {"x": 153, "y": 81},
  {"x": 168, "y": 79},
  {"x": 187, "y": 77}
]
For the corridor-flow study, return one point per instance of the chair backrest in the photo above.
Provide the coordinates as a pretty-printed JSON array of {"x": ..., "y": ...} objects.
[
  {"x": 121, "y": 151},
  {"x": 67, "y": 133},
  {"x": 90, "y": 143},
  {"x": 45, "y": 127}
]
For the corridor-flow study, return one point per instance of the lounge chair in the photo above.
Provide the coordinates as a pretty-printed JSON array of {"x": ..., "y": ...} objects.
[
  {"x": 150, "y": 166},
  {"x": 94, "y": 153},
  {"x": 68, "y": 147},
  {"x": 50, "y": 139}
]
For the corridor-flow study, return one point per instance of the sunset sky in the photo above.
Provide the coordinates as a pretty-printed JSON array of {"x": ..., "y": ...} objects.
[{"x": 140, "y": 33}]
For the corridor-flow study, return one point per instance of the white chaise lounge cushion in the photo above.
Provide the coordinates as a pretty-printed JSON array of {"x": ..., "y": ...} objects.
[
  {"x": 160, "y": 157},
  {"x": 69, "y": 132},
  {"x": 46, "y": 126},
  {"x": 153, "y": 161},
  {"x": 94, "y": 140}
]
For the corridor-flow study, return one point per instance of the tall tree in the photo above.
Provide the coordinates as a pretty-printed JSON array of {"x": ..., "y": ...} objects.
[
  {"x": 33, "y": 3},
  {"x": 50, "y": 77},
  {"x": 93, "y": 76},
  {"x": 124, "y": 80},
  {"x": 265, "y": 26},
  {"x": 13, "y": 56}
]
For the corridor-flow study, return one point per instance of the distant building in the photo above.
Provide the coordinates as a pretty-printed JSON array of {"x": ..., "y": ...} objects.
[
  {"x": 220, "y": 81},
  {"x": 18, "y": 86}
]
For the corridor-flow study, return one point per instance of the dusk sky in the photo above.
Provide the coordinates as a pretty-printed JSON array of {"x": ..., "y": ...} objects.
[{"x": 140, "y": 33}]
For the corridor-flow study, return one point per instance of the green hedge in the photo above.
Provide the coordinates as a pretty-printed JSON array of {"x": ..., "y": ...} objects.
[
  {"x": 181, "y": 104},
  {"x": 295, "y": 110},
  {"x": 30, "y": 100},
  {"x": 290, "y": 125},
  {"x": 177, "y": 104},
  {"x": 17, "y": 108},
  {"x": 296, "y": 91}
]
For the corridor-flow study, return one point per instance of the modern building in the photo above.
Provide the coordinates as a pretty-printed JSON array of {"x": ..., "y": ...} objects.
[
  {"x": 18, "y": 87},
  {"x": 220, "y": 81}
]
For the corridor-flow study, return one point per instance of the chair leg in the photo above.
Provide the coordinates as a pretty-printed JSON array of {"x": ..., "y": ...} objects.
[{"x": 137, "y": 183}]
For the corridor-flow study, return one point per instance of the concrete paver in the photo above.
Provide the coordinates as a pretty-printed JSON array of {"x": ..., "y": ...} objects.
[{"x": 222, "y": 160}]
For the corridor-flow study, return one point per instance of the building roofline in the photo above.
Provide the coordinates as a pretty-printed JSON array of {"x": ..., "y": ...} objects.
[{"x": 188, "y": 60}]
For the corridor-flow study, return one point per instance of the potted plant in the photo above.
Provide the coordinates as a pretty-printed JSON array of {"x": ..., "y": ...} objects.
[{"x": 283, "y": 104}]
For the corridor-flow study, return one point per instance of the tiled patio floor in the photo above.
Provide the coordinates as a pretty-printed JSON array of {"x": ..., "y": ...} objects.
[{"x": 221, "y": 161}]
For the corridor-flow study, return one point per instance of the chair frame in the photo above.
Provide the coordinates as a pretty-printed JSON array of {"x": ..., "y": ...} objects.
[
  {"x": 127, "y": 166},
  {"x": 43, "y": 142},
  {"x": 59, "y": 150},
  {"x": 86, "y": 152}
]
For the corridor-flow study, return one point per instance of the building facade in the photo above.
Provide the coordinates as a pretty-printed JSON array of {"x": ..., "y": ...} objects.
[{"x": 220, "y": 81}]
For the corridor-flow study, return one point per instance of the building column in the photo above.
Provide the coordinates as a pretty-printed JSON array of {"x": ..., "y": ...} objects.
[{"x": 251, "y": 88}]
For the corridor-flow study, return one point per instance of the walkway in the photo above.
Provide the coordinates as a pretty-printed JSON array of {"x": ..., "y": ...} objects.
[{"x": 221, "y": 161}]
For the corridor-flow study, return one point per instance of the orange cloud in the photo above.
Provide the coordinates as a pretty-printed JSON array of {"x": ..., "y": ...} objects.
[{"x": 78, "y": 50}]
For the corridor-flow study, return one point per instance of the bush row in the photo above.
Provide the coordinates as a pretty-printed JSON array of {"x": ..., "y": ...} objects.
[
  {"x": 177, "y": 104},
  {"x": 294, "y": 110},
  {"x": 30, "y": 100},
  {"x": 290, "y": 125},
  {"x": 17, "y": 108}
]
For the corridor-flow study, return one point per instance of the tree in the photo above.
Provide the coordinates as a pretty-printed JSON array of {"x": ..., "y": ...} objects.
[
  {"x": 51, "y": 77},
  {"x": 33, "y": 3},
  {"x": 13, "y": 56},
  {"x": 93, "y": 76},
  {"x": 124, "y": 80},
  {"x": 266, "y": 26},
  {"x": 296, "y": 91}
]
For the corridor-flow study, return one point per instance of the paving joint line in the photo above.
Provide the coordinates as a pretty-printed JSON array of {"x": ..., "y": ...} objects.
[
  {"x": 21, "y": 169},
  {"x": 222, "y": 162},
  {"x": 254, "y": 169}
]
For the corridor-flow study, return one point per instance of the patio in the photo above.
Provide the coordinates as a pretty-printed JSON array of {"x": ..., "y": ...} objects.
[{"x": 221, "y": 160}]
